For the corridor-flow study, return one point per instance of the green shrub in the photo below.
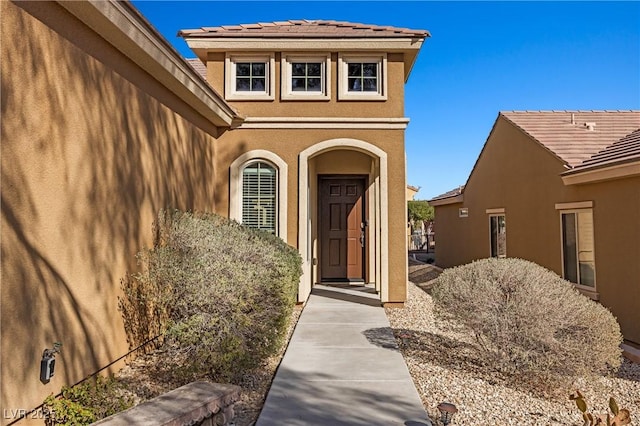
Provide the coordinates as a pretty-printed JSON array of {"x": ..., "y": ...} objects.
[
  {"x": 221, "y": 292},
  {"x": 528, "y": 320},
  {"x": 87, "y": 402}
]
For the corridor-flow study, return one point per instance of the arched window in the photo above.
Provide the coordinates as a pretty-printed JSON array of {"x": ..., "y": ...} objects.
[
  {"x": 258, "y": 191},
  {"x": 260, "y": 196}
]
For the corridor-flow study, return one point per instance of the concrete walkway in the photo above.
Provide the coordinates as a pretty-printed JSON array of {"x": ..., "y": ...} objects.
[{"x": 342, "y": 367}]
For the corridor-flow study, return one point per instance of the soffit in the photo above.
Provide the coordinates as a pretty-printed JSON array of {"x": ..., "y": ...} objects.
[{"x": 128, "y": 31}]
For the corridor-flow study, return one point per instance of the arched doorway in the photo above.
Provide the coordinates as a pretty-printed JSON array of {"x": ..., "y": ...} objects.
[{"x": 343, "y": 219}]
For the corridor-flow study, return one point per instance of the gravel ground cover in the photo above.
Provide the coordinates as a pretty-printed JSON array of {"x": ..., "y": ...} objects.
[
  {"x": 145, "y": 379},
  {"x": 442, "y": 364},
  {"x": 443, "y": 367}
]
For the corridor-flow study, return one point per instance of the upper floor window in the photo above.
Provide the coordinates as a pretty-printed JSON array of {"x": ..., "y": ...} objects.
[
  {"x": 498, "y": 227},
  {"x": 362, "y": 77},
  {"x": 578, "y": 257},
  {"x": 259, "y": 196},
  {"x": 249, "y": 77},
  {"x": 306, "y": 77}
]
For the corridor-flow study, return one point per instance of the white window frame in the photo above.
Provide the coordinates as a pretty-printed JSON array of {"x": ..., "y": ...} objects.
[
  {"x": 230, "y": 77},
  {"x": 343, "y": 77},
  {"x": 589, "y": 290},
  {"x": 286, "y": 89},
  {"x": 235, "y": 186}
]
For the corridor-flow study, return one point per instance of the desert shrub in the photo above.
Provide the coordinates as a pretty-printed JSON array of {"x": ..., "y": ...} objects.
[
  {"x": 87, "y": 402},
  {"x": 142, "y": 307},
  {"x": 528, "y": 320},
  {"x": 222, "y": 293}
]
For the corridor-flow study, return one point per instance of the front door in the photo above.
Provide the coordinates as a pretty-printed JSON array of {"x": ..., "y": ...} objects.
[{"x": 342, "y": 228}]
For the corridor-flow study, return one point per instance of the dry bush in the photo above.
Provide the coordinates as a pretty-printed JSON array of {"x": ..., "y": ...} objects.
[
  {"x": 529, "y": 321},
  {"x": 220, "y": 292}
]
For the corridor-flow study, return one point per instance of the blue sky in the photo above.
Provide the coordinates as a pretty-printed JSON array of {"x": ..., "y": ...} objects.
[{"x": 482, "y": 58}]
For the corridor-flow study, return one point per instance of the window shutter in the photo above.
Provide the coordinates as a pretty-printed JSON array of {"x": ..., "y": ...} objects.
[{"x": 259, "y": 198}]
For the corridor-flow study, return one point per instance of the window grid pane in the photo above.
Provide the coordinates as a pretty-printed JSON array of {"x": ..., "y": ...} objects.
[
  {"x": 362, "y": 76},
  {"x": 306, "y": 76},
  {"x": 259, "y": 198},
  {"x": 251, "y": 76}
]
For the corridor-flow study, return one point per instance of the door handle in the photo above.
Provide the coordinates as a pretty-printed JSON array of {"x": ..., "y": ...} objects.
[{"x": 362, "y": 238}]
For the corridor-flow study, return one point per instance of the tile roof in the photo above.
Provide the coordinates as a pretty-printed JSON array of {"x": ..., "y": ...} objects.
[
  {"x": 575, "y": 136},
  {"x": 449, "y": 194},
  {"x": 305, "y": 28},
  {"x": 201, "y": 69},
  {"x": 625, "y": 150},
  {"x": 198, "y": 66}
]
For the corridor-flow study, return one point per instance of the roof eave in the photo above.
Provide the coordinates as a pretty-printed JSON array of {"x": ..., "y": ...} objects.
[
  {"x": 127, "y": 30},
  {"x": 619, "y": 170},
  {"x": 456, "y": 199},
  {"x": 409, "y": 46}
]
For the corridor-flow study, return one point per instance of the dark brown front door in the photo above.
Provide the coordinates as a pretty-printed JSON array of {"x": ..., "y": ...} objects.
[{"x": 342, "y": 228}]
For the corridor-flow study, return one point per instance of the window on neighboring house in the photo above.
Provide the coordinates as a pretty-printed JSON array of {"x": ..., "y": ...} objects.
[
  {"x": 578, "y": 258},
  {"x": 362, "y": 77},
  {"x": 249, "y": 77},
  {"x": 498, "y": 227},
  {"x": 305, "y": 77},
  {"x": 259, "y": 196}
]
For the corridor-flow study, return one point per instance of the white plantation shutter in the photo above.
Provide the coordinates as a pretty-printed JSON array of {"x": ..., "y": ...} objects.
[{"x": 259, "y": 198}]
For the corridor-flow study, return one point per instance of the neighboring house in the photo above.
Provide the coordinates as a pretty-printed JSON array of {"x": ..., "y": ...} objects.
[
  {"x": 559, "y": 188},
  {"x": 297, "y": 129},
  {"x": 319, "y": 159},
  {"x": 411, "y": 192}
]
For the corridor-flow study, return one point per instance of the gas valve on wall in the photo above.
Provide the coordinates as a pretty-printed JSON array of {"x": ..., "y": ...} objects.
[{"x": 48, "y": 362}]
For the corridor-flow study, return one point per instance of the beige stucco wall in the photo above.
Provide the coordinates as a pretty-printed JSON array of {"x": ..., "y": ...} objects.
[
  {"x": 392, "y": 107},
  {"x": 92, "y": 147},
  {"x": 288, "y": 143},
  {"x": 616, "y": 213},
  {"x": 519, "y": 175}
]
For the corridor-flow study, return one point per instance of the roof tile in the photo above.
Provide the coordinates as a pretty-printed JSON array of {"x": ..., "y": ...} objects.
[
  {"x": 575, "y": 136},
  {"x": 198, "y": 66},
  {"x": 449, "y": 194},
  {"x": 308, "y": 28},
  {"x": 622, "y": 151}
]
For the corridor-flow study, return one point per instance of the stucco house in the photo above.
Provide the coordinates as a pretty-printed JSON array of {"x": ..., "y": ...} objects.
[
  {"x": 559, "y": 188},
  {"x": 324, "y": 129},
  {"x": 296, "y": 127}
]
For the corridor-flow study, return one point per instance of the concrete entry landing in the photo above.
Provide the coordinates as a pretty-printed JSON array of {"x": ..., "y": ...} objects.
[{"x": 343, "y": 367}]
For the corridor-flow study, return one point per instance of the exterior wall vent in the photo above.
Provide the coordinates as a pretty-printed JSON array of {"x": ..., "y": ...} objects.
[{"x": 463, "y": 212}]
